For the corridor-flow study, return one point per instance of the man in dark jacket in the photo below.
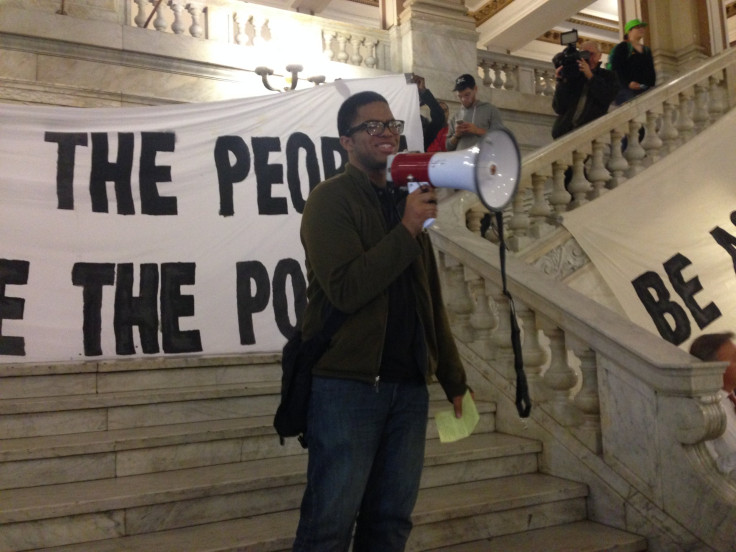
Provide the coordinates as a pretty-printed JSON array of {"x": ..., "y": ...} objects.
[
  {"x": 368, "y": 410},
  {"x": 581, "y": 98}
]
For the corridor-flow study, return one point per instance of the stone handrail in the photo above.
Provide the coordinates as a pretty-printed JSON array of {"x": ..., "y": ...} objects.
[
  {"x": 672, "y": 114},
  {"x": 598, "y": 382}
]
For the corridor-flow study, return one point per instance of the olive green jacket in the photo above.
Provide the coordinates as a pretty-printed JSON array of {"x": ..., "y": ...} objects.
[{"x": 351, "y": 260}]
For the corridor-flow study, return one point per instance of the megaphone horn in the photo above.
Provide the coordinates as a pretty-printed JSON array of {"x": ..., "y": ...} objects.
[{"x": 489, "y": 169}]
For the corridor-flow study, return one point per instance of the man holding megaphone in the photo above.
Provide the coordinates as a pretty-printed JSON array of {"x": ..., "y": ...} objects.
[{"x": 366, "y": 255}]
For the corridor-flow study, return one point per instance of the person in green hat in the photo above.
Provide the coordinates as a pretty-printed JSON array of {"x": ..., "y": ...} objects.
[{"x": 633, "y": 63}]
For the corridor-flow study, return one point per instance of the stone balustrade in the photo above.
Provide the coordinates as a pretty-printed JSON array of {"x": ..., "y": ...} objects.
[
  {"x": 269, "y": 32},
  {"x": 516, "y": 74},
  {"x": 670, "y": 114},
  {"x": 639, "y": 406}
]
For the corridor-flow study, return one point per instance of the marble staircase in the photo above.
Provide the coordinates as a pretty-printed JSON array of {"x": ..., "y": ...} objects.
[{"x": 180, "y": 455}]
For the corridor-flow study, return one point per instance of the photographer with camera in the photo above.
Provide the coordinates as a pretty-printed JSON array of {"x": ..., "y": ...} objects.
[{"x": 584, "y": 89}]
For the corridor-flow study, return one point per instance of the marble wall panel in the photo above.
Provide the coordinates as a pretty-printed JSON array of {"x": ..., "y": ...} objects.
[
  {"x": 628, "y": 441},
  {"x": 17, "y": 65},
  {"x": 142, "y": 82},
  {"x": 54, "y": 26}
]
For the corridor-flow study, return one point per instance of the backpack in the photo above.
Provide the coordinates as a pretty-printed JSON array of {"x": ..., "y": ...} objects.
[{"x": 298, "y": 357}]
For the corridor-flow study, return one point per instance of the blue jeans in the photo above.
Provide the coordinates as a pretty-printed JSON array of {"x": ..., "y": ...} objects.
[{"x": 366, "y": 453}]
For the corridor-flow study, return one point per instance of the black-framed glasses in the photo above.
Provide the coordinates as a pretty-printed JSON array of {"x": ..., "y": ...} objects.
[{"x": 376, "y": 128}]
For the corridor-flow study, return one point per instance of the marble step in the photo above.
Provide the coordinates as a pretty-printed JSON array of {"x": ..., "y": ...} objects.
[
  {"x": 51, "y": 380},
  {"x": 41, "y": 416},
  {"x": 89, "y": 412},
  {"x": 442, "y": 517},
  {"x": 580, "y": 536},
  {"x": 40, "y": 502},
  {"x": 54, "y": 459},
  {"x": 92, "y": 510}
]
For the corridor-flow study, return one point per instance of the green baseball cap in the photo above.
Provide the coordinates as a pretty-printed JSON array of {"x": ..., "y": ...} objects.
[{"x": 633, "y": 23}]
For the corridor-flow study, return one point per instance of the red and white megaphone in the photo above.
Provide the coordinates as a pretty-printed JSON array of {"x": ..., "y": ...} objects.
[{"x": 490, "y": 169}]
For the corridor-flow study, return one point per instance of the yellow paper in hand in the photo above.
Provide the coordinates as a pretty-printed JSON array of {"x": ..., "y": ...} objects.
[{"x": 453, "y": 429}]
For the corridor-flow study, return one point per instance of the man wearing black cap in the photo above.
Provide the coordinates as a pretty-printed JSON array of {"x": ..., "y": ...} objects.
[{"x": 473, "y": 120}]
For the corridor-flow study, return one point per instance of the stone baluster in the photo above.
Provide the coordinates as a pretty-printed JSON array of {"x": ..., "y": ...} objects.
[
  {"x": 668, "y": 133},
  {"x": 587, "y": 400},
  {"x": 473, "y": 218},
  {"x": 458, "y": 299},
  {"x": 328, "y": 38},
  {"x": 159, "y": 22},
  {"x": 598, "y": 174},
  {"x": 716, "y": 106},
  {"x": 195, "y": 10},
  {"x": 178, "y": 26},
  {"x": 239, "y": 29},
  {"x": 634, "y": 153},
  {"x": 701, "y": 117},
  {"x": 579, "y": 186},
  {"x": 617, "y": 163},
  {"x": 533, "y": 353},
  {"x": 371, "y": 61},
  {"x": 549, "y": 90},
  {"x": 356, "y": 42},
  {"x": 342, "y": 53},
  {"x": 501, "y": 337},
  {"x": 265, "y": 33},
  {"x": 141, "y": 17},
  {"x": 483, "y": 319},
  {"x": 519, "y": 222},
  {"x": 540, "y": 84},
  {"x": 491, "y": 233},
  {"x": 251, "y": 32},
  {"x": 651, "y": 143},
  {"x": 486, "y": 69},
  {"x": 498, "y": 81},
  {"x": 559, "y": 198},
  {"x": 685, "y": 125},
  {"x": 559, "y": 377},
  {"x": 540, "y": 211},
  {"x": 510, "y": 72}
]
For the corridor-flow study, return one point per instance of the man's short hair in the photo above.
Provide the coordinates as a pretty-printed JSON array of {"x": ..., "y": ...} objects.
[
  {"x": 463, "y": 82},
  {"x": 705, "y": 347},
  {"x": 349, "y": 109}
]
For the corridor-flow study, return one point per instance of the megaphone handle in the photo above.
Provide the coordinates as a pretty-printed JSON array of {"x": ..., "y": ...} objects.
[{"x": 413, "y": 185}]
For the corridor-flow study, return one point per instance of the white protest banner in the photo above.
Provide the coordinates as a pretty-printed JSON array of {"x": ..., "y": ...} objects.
[
  {"x": 164, "y": 230},
  {"x": 665, "y": 241}
]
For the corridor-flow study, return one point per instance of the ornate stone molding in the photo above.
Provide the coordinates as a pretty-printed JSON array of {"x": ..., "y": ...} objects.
[
  {"x": 489, "y": 10},
  {"x": 562, "y": 261}
]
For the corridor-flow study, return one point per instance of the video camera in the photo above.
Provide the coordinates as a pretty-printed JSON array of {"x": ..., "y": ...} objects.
[{"x": 570, "y": 56}]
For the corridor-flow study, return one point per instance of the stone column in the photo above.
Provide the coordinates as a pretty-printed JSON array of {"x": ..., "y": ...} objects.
[{"x": 438, "y": 41}]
